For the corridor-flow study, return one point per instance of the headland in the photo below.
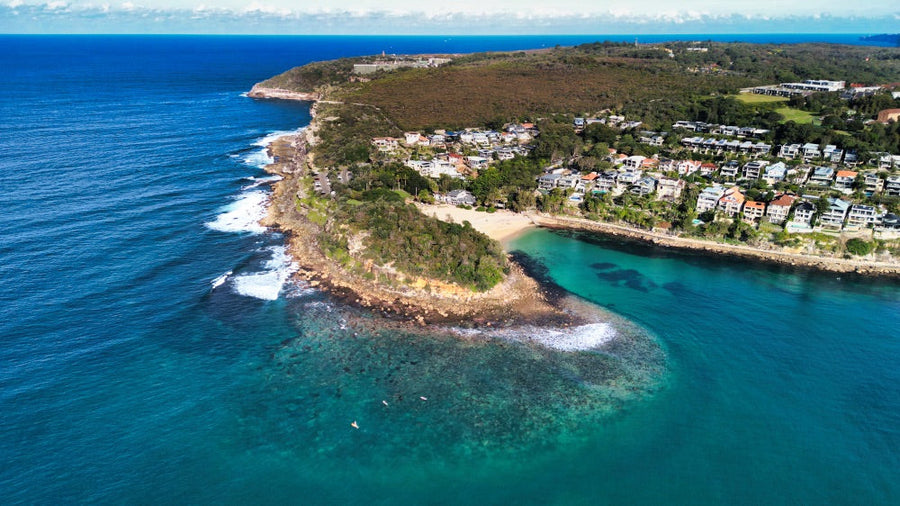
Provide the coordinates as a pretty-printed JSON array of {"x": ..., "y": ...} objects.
[{"x": 389, "y": 193}]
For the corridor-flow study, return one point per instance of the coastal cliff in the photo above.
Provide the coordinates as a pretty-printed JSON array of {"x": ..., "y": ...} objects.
[{"x": 265, "y": 92}]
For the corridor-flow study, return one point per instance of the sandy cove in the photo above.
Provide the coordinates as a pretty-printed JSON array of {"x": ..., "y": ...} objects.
[{"x": 505, "y": 226}]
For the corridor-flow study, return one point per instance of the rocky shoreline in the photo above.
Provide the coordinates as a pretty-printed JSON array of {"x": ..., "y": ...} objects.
[
  {"x": 518, "y": 299},
  {"x": 263, "y": 92}
]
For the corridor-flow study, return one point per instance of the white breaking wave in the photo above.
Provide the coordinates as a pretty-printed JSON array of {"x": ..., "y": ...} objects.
[
  {"x": 259, "y": 181},
  {"x": 261, "y": 158},
  {"x": 219, "y": 281},
  {"x": 583, "y": 337},
  {"x": 267, "y": 285},
  {"x": 243, "y": 214}
]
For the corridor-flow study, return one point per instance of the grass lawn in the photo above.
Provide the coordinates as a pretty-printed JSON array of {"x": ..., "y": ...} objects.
[
  {"x": 796, "y": 115},
  {"x": 753, "y": 98}
]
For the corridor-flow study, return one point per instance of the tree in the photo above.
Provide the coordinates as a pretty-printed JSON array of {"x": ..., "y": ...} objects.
[{"x": 859, "y": 247}]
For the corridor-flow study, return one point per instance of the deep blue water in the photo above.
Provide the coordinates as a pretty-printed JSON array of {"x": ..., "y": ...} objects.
[{"x": 130, "y": 176}]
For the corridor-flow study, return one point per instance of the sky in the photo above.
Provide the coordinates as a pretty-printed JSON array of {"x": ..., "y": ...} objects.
[{"x": 448, "y": 17}]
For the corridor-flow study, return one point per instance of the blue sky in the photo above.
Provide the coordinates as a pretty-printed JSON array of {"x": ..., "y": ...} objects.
[{"x": 446, "y": 17}]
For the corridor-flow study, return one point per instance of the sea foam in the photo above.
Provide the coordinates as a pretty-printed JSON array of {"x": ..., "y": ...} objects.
[
  {"x": 260, "y": 158},
  {"x": 582, "y": 337},
  {"x": 243, "y": 214},
  {"x": 259, "y": 181},
  {"x": 590, "y": 336},
  {"x": 266, "y": 285}
]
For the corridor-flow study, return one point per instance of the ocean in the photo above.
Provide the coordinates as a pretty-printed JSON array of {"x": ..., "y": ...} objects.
[{"x": 153, "y": 348}]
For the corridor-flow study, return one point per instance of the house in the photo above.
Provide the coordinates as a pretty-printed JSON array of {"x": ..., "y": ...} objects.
[
  {"x": 822, "y": 176},
  {"x": 481, "y": 138},
  {"x": 707, "y": 168},
  {"x": 687, "y": 167},
  {"x": 411, "y": 138},
  {"x": 548, "y": 181},
  {"x": 832, "y": 153},
  {"x": 872, "y": 184},
  {"x": 804, "y": 213},
  {"x": 385, "y": 144},
  {"x": 633, "y": 162},
  {"x": 890, "y": 221},
  {"x": 844, "y": 180},
  {"x": 810, "y": 151},
  {"x": 730, "y": 169},
  {"x": 570, "y": 181},
  {"x": 732, "y": 201},
  {"x": 644, "y": 186},
  {"x": 629, "y": 176},
  {"x": 477, "y": 162},
  {"x": 752, "y": 170},
  {"x": 789, "y": 151},
  {"x": 606, "y": 182},
  {"x": 775, "y": 172},
  {"x": 777, "y": 211},
  {"x": 863, "y": 215},
  {"x": 708, "y": 198},
  {"x": 892, "y": 186},
  {"x": 460, "y": 197},
  {"x": 754, "y": 210},
  {"x": 669, "y": 189},
  {"x": 836, "y": 213}
]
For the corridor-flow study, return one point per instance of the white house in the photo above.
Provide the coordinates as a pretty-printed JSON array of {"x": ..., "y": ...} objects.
[{"x": 708, "y": 198}]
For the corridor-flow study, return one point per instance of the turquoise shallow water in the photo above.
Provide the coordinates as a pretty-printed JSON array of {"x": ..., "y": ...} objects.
[
  {"x": 783, "y": 386},
  {"x": 131, "y": 180}
]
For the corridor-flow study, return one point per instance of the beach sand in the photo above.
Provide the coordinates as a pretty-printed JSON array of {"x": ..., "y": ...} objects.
[{"x": 501, "y": 225}]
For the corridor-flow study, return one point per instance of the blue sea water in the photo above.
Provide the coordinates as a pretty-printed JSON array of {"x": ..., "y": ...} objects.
[{"x": 130, "y": 169}]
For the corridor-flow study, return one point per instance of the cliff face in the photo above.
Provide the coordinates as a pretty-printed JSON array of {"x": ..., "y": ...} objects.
[{"x": 264, "y": 92}]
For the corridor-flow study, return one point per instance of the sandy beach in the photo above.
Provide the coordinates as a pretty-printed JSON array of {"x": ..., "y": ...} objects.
[{"x": 501, "y": 225}]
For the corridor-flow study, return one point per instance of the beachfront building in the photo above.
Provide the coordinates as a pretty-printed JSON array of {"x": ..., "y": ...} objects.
[
  {"x": 708, "y": 198},
  {"x": 754, "y": 210},
  {"x": 862, "y": 215},
  {"x": 777, "y": 211},
  {"x": 460, "y": 197},
  {"x": 732, "y": 201},
  {"x": 630, "y": 176},
  {"x": 803, "y": 213},
  {"x": 644, "y": 186},
  {"x": 669, "y": 189},
  {"x": 836, "y": 214}
]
